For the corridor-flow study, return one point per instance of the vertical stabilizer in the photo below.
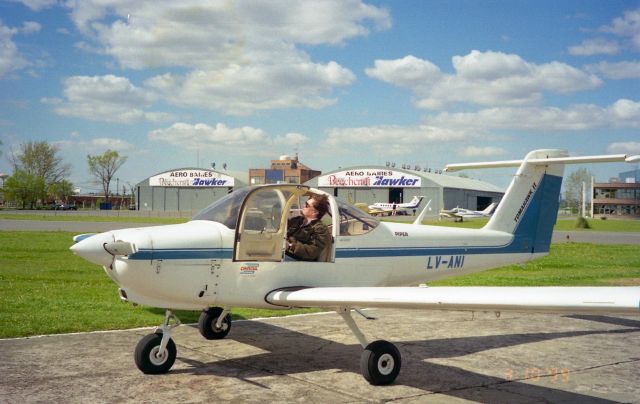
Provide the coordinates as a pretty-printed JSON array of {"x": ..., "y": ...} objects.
[{"x": 530, "y": 205}]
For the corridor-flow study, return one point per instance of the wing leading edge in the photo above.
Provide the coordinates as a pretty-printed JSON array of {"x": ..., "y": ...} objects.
[{"x": 555, "y": 299}]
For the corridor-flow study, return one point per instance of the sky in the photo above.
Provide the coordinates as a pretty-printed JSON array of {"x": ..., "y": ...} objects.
[{"x": 175, "y": 84}]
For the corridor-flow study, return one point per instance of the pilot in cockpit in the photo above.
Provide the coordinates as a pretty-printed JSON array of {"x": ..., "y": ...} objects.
[{"x": 307, "y": 236}]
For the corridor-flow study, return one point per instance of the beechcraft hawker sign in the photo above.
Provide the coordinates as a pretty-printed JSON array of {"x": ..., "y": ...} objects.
[{"x": 370, "y": 178}]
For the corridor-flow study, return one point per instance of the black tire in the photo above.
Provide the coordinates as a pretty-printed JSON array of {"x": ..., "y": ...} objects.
[
  {"x": 380, "y": 363},
  {"x": 207, "y": 324},
  {"x": 146, "y": 351}
]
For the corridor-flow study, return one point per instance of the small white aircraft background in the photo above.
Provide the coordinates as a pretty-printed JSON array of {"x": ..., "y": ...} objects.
[
  {"x": 381, "y": 208},
  {"x": 459, "y": 214},
  {"x": 232, "y": 254}
]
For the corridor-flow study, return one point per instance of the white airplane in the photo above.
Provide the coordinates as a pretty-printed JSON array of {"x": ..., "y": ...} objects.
[
  {"x": 460, "y": 213},
  {"x": 232, "y": 254},
  {"x": 383, "y": 207}
]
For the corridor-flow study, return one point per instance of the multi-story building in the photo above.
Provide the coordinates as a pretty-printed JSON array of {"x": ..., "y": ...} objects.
[
  {"x": 283, "y": 170},
  {"x": 618, "y": 197}
]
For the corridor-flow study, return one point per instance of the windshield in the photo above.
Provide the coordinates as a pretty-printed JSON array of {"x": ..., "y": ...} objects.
[
  {"x": 224, "y": 210},
  {"x": 353, "y": 221}
]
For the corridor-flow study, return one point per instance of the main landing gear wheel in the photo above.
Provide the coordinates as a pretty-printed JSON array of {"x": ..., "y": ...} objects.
[
  {"x": 207, "y": 324},
  {"x": 150, "y": 359},
  {"x": 380, "y": 363}
]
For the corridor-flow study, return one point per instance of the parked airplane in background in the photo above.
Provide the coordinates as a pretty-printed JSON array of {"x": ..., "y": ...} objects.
[
  {"x": 459, "y": 213},
  {"x": 232, "y": 254},
  {"x": 380, "y": 208}
]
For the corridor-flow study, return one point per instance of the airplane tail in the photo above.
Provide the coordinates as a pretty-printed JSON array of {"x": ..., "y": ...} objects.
[
  {"x": 529, "y": 208},
  {"x": 415, "y": 202},
  {"x": 487, "y": 211}
]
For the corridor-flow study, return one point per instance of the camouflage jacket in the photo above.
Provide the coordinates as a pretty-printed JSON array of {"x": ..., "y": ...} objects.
[{"x": 306, "y": 243}]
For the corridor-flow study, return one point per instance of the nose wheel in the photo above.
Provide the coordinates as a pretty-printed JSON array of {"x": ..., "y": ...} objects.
[
  {"x": 156, "y": 353},
  {"x": 150, "y": 358}
]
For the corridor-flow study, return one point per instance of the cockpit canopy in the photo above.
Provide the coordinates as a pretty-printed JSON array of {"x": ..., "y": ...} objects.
[{"x": 264, "y": 207}]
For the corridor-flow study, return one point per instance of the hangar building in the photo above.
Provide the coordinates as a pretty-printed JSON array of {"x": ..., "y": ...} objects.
[
  {"x": 370, "y": 184},
  {"x": 185, "y": 189}
]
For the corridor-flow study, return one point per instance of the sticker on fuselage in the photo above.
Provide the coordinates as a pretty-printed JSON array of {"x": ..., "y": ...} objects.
[
  {"x": 401, "y": 234},
  {"x": 249, "y": 268},
  {"x": 445, "y": 262}
]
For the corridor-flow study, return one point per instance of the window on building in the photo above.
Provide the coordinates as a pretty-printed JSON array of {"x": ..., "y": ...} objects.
[{"x": 256, "y": 180}]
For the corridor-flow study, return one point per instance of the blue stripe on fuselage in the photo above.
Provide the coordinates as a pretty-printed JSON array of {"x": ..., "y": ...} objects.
[
  {"x": 182, "y": 253},
  {"x": 532, "y": 235}
]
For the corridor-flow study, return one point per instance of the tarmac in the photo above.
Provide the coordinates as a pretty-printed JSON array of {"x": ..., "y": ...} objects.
[{"x": 447, "y": 356}]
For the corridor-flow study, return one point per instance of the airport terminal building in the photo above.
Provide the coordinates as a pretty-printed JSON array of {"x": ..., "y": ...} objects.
[
  {"x": 185, "y": 189},
  {"x": 370, "y": 184}
]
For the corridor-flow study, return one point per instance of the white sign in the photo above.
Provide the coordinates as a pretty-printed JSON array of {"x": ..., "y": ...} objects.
[
  {"x": 191, "y": 178},
  {"x": 370, "y": 178}
]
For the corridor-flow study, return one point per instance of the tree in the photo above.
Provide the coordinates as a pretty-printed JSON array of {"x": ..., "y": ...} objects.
[
  {"x": 24, "y": 188},
  {"x": 573, "y": 186},
  {"x": 41, "y": 159},
  {"x": 60, "y": 190},
  {"x": 104, "y": 168}
]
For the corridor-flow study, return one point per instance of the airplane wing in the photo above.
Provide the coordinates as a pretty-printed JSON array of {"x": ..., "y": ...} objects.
[{"x": 558, "y": 299}]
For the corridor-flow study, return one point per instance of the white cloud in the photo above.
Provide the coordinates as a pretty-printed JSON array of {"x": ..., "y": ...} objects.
[
  {"x": 105, "y": 98},
  {"x": 616, "y": 71},
  {"x": 37, "y": 5},
  {"x": 621, "y": 114},
  {"x": 241, "y": 56},
  {"x": 245, "y": 140},
  {"x": 241, "y": 90},
  {"x": 483, "y": 151},
  {"x": 392, "y": 140},
  {"x": 627, "y": 26},
  {"x": 92, "y": 146},
  {"x": 407, "y": 72},
  {"x": 30, "y": 27},
  {"x": 482, "y": 78},
  {"x": 598, "y": 46},
  {"x": 631, "y": 148},
  {"x": 10, "y": 58},
  {"x": 108, "y": 143},
  {"x": 214, "y": 34}
]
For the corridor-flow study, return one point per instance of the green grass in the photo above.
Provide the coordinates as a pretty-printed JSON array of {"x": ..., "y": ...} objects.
[
  {"x": 568, "y": 264},
  {"x": 44, "y": 289}
]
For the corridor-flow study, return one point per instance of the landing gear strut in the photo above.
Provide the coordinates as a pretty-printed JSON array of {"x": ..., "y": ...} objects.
[
  {"x": 380, "y": 361},
  {"x": 156, "y": 353}
]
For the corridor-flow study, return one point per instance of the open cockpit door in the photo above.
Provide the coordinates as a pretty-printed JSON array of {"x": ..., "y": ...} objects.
[{"x": 262, "y": 222}]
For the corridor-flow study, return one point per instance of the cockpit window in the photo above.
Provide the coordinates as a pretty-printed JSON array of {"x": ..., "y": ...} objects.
[
  {"x": 224, "y": 210},
  {"x": 264, "y": 209},
  {"x": 353, "y": 221}
]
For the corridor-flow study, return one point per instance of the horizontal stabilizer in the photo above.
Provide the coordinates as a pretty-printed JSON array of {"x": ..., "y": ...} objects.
[
  {"x": 611, "y": 158},
  {"x": 555, "y": 299}
]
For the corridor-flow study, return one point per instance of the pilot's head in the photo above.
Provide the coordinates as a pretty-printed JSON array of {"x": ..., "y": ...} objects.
[{"x": 317, "y": 205}]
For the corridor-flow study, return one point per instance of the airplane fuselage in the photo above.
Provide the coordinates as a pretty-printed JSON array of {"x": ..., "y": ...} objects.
[{"x": 197, "y": 270}]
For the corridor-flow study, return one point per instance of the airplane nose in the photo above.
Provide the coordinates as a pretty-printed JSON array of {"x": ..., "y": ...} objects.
[{"x": 92, "y": 249}]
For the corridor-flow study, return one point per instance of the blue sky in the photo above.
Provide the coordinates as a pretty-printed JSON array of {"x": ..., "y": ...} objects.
[{"x": 346, "y": 82}]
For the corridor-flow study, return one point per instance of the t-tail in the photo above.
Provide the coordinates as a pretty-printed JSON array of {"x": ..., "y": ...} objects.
[{"x": 529, "y": 208}]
